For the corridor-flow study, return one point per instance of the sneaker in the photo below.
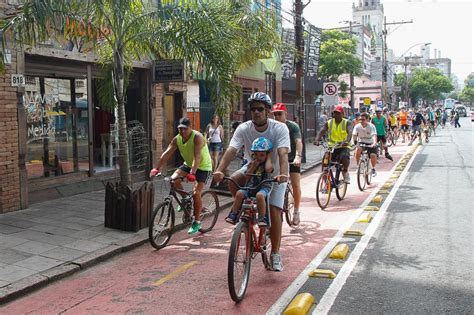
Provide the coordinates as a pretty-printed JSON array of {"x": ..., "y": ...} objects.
[
  {"x": 263, "y": 221},
  {"x": 388, "y": 156},
  {"x": 347, "y": 177},
  {"x": 194, "y": 227},
  {"x": 374, "y": 173},
  {"x": 231, "y": 218},
  {"x": 296, "y": 218},
  {"x": 276, "y": 262}
]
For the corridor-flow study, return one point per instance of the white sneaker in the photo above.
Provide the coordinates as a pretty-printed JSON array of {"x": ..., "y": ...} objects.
[
  {"x": 347, "y": 177},
  {"x": 296, "y": 218},
  {"x": 374, "y": 173},
  {"x": 276, "y": 262}
]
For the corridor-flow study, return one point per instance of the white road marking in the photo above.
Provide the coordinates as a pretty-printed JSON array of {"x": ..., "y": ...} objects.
[
  {"x": 279, "y": 306},
  {"x": 332, "y": 292}
]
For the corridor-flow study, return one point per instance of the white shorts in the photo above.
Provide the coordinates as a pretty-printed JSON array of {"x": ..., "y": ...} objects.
[{"x": 277, "y": 195}]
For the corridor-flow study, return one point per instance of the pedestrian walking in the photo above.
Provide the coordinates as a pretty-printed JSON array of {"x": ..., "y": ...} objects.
[{"x": 215, "y": 135}]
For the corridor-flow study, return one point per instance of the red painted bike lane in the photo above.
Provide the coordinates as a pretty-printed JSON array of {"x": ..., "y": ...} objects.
[{"x": 190, "y": 275}]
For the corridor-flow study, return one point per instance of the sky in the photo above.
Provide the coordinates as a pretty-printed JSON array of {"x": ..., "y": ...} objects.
[{"x": 446, "y": 24}]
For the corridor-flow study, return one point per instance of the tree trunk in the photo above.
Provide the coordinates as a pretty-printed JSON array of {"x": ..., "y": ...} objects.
[{"x": 119, "y": 82}]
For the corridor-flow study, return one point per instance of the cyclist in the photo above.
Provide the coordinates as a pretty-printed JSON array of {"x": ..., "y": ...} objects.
[
  {"x": 365, "y": 133},
  {"x": 431, "y": 118},
  {"x": 280, "y": 113},
  {"x": 392, "y": 122},
  {"x": 444, "y": 118},
  {"x": 192, "y": 146},
  {"x": 260, "y": 125},
  {"x": 261, "y": 166},
  {"x": 403, "y": 120},
  {"x": 417, "y": 120},
  {"x": 381, "y": 123},
  {"x": 338, "y": 131}
]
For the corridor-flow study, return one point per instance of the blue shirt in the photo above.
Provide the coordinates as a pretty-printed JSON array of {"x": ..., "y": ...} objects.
[{"x": 418, "y": 119}]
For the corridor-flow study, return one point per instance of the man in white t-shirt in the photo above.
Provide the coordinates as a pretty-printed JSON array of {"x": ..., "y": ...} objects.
[
  {"x": 365, "y": 133},
  {"x": 260, "y": 125}
]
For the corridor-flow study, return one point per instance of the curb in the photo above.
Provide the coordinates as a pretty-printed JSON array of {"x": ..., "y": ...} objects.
[{"x": 42, "y": 279}]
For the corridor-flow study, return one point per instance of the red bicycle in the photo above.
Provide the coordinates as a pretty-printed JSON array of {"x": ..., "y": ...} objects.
[{"x": 247, "y": 241}]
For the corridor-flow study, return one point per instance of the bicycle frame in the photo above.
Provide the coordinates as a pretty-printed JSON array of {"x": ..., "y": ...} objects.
[{"x": 328, "y": 165}]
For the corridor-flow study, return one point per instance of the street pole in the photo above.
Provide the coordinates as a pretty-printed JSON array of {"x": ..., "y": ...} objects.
[
  {"x": 406, "y": 82},
  {"x": 351, "y": 75},
  {"x": 299, "y": 64},
  {"x": 384, "y": 62}
]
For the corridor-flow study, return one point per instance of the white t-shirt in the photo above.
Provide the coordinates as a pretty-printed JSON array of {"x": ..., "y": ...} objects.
[
  {"x": 365, "y": 135},
  {"x": 276, "y": 132}
]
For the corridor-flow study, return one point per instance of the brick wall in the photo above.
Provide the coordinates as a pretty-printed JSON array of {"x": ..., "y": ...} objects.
[
  {"x": 9, "y": 170},
  {"x": 157, "y": 132}
]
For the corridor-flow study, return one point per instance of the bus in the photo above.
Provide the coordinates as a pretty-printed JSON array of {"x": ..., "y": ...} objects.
[{"x": 449, "y": 103}]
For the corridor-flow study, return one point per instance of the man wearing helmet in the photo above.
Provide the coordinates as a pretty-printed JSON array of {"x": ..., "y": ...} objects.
[
  {"x": 261, "y": 166},
  {"x": 260, "y": 125},
  {"x": 280, "y": 113},
  {"x": 338, "y": 131}
]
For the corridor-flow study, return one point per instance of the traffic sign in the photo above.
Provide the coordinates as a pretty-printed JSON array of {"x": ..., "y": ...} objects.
[
  {"x": 330, "y": 88},
  {"x": 379, "y": 103},
  {"x": 367, "y": 101}
]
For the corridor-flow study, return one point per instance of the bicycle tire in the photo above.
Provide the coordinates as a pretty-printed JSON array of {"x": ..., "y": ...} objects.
[
  {"x": 341, "y": 189},
  {"x": 289, "y": 205},
  {"x": 324, "y": 182},
  {"x": 237, "y": 290},
  {"x": 266, "y": 249},
  {"x": 210, "y": 211},
  {"x": 361, "y": 175},
  {"x": 158, "y": 236},
  {"x": 368, "y": 173}
]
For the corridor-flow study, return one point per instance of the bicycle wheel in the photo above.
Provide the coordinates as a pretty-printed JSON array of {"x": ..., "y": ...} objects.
[
  {"x": 389, "y": 138},
  {"x": 368, "y": 173},
  {"x": 266, "y": 248},
  {"x": 161, "y": 225},
  {"x": 394, "y": 138},
  {"x": 323, "y": 190},
  {"x": 361, "y": 174},
  {"x": 210, "y": 211},
  {"x": 341, "y": 188},
  {"x": 240, "y": 257},
  {"x": 289, "y": 205}
]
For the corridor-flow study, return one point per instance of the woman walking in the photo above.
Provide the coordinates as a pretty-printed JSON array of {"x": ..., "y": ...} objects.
[{"x": 215, "y": 135}]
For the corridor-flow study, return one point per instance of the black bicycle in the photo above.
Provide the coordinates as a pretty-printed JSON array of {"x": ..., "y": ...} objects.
[
  {"x": 163, "y": 217},
  {"x": 364, "y": 169},
  {"x": 329, "y": 179}
]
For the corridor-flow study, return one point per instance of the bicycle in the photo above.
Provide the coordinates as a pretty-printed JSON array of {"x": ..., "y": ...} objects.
[
  {"x": 163, "y": 216},
  {"x": 289, "y": 204},
  {"x": 327, "y": 180},
  {"x": 391, "y": 137},
  {"x": 364, "y": 169},
  {"x": 245, "y": 244}
]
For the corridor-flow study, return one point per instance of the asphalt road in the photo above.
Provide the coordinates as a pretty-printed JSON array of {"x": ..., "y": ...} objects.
[{"x": 421, "y": 259}]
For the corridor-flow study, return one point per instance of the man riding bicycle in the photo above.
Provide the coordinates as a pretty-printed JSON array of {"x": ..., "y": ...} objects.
[
  {"x": 417, "y": 120},
  {"x": 196, "y": 168},
  {"x": 338, "y": 131},
  {"x": 380, "y": 122},
  {"x": 403, "y": 119},
  {"x": 260, "y": 125},
  {"x": 280, "y": 113},
  {"x": 364, "y": 133}
]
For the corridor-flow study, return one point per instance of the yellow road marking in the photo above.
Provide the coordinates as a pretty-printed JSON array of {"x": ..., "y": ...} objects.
[{"x": 175, "y": 273}]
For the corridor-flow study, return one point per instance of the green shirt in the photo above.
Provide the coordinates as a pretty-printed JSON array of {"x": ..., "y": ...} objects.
[
  {"x": 186, "y": 149},
  {"x": 295, "y": 133},
  {"x": 379, "y": 125}
]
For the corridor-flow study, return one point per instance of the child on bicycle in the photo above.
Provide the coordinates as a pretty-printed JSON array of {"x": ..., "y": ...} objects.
[{"x": 258, "y": 169}]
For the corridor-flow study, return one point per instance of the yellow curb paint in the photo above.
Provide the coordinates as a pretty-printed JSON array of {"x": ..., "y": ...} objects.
[
  {"x": 365, "y": 217},
  {"x": 353, "y": 233},
  {"x": 322, "y": 273},
  {"x": 175, "y": 273},
  {"x": 387, "y": 185},
  {"x": 383, "y": 192},
  {"x": 394, "y": 177},
  {"x": 371, "y": 208},
  {"x": 377, "y": 199},
  {"x": 339, "y": 252},
  {"x": 301, "y": 304}
]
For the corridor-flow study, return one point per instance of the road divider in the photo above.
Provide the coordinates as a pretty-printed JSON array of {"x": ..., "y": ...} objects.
[
  {"x": 322, "y": 273},
  {"x": 365, "y": 217},
  {"x": 353, "y": 233},
  {"x": 339, "y": 252},
  {"x": 377, "y": 199},
  {"x": 300, "y": 305}
]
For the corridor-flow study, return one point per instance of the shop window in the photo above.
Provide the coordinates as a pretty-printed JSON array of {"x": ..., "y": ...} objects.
[{"x": 57, "y": 127}]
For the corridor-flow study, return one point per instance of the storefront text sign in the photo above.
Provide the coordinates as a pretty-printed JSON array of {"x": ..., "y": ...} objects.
[
  {"x": 168, "y": 71},
  {"x": 18, "y": 80}
]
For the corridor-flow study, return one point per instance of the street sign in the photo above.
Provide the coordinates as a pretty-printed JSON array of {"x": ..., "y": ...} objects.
[
  {"x": 168, "y": 70},
  {"x": 367, "y": 101},
  {"x": 379, "y": 103},
  {"x": 18, "y": 80},
  {"x": 397, "y": 88},
  {"x": 330, "y": 88}
]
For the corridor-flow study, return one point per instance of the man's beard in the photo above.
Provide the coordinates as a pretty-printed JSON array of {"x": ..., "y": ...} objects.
[{"x": 260, "y": 125}]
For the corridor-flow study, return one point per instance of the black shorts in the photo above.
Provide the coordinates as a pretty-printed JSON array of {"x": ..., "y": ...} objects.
[
  {"x": 393, "y": 127},
  {"x": 370, "y": 150},
  {"x": 201, "y": 176},
  {"x": 295, "y": 169},
  {"x": 340, "y": 153},
  {"x": 404, "y": 127},
  {"x": 381, "y": 138}
]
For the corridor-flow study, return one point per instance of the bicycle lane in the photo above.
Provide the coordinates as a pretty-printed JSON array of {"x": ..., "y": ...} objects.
[{"x": 190, "y": 275}]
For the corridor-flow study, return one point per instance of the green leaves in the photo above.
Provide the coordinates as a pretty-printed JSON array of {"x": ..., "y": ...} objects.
[
  {"x": 429, "y": 84},
  {"x": 467, "y": 93}
]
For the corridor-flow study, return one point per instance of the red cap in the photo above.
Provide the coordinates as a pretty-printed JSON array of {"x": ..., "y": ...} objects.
[
  {"x": 279, "y": 107},
  {"x": 339, "y": 108}
]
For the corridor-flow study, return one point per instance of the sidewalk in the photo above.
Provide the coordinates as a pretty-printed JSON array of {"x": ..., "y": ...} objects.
[{"x": 53, "y": 239}]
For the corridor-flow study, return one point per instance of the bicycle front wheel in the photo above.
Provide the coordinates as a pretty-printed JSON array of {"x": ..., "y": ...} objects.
[
  {"x": 323, "y": 190},
  {"x": 240, "y": 257},
  {"x": 389, "y": 138},
  {"x": 210, "y": 211},
  {"x": 289, "y": 205},
  {"x": 341, "y": 187},
  {"x": 161, "y": 225},
  {"x": 361, "y": 170}
]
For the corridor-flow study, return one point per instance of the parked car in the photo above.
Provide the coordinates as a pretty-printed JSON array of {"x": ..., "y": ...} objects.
[{"x": 461, "y": 109}]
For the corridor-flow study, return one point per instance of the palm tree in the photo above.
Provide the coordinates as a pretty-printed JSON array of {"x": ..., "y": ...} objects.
[{"x": 219, "y": 36}]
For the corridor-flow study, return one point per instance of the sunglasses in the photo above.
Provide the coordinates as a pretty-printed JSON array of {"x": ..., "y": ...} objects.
[
  {"x": 278, "y": 113},
  {"x": 257, "y": 109},
  {"x": 181, "y": 128}
]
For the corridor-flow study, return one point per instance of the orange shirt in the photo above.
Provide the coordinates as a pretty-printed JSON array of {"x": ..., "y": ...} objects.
[{"x": 403, "y": 118}]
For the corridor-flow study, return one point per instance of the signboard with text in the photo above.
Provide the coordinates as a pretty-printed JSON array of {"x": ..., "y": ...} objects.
[{"x": 168, "y": 71}]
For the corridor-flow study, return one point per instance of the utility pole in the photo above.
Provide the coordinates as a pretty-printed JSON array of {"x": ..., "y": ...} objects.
[
  {"x": 351, "y": 75},
  {"x": 406, "y": 82},
  {"x": 299, "y": 64}
]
